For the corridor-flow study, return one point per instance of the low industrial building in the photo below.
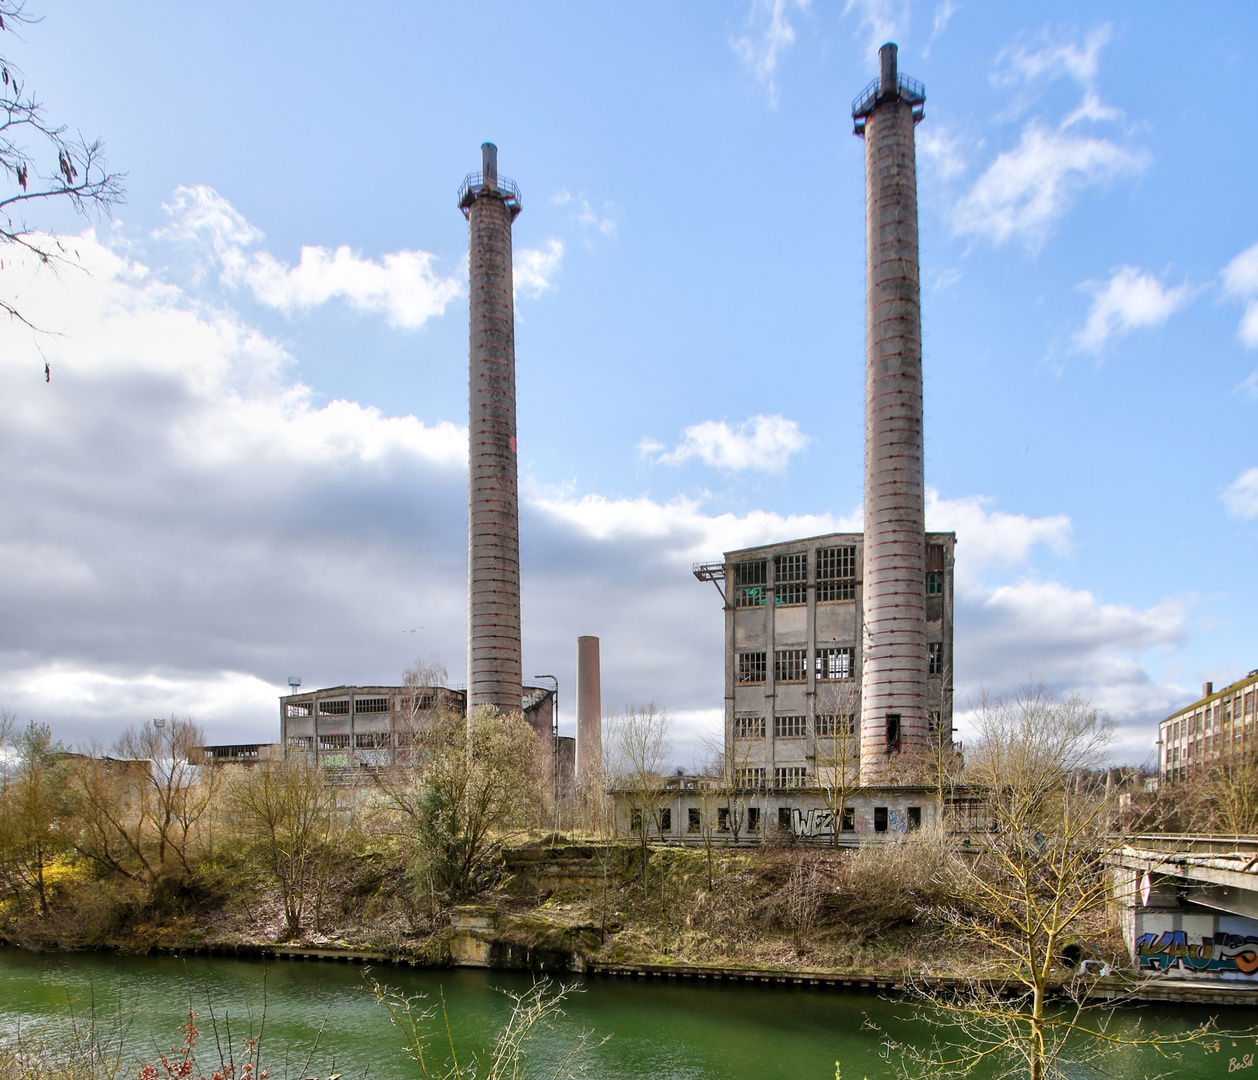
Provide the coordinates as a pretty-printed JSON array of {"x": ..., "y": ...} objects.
[
  {"x": 1216, "y": 730},
  {"x": 358, "y": 729}
]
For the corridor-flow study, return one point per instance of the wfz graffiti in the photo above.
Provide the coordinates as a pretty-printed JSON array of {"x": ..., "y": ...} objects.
[{"x": 1223, "y": 952}]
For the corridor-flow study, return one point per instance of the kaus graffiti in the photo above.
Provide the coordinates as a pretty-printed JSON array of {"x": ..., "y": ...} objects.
[{"x": 1223, "y": 952}]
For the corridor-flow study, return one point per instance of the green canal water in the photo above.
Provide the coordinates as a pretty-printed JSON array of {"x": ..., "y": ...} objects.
[{"x": 664, "y": 1031}]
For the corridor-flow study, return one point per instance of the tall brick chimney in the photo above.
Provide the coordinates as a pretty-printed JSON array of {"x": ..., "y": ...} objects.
[
  {"x": 494, "y": 668},
  {"x": 894, "y": 719}
]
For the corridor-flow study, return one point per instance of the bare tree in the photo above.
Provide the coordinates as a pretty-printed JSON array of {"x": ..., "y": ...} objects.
[
  {"x": 836, "y": 741},
  {"x": 43, "y": 163},
  {"x": 178, "y": 791},
  {"x": 286, "y": 809},
  {"x": 1024, "y": 887},
  {"x": 642, "y": 750},
  {"x": 1227, "y": 801},
  {"x": 736, "y": 786}
]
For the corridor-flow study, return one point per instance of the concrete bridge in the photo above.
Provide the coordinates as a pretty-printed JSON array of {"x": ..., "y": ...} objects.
[{"x": 1189, "y": 905}]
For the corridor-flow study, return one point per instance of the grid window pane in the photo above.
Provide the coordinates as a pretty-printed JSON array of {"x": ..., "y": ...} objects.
[
  {"x": 749, "y": 727},
  {"x": 790, "y": 665},
  {"x": 749, "y": 779},
  {"x": 834, "y": 663},
  {"x": 371, "y": 705},
  {"x": 836, "y": 573},
  {"x": 751, "y": 667},
  {"x": 936, "y": 658},
  {"x": 829, "y": 725},
  {"x": 792, "y": 776},
  {"x": 790, "y": 727},
  {"x": 790, "y": 567},
  {"x": 791, "y": 593}
]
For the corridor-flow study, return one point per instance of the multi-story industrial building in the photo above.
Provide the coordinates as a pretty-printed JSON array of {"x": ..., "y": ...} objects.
[
  {"x": 794, "y": 638},
  {"x": 1217, "y": 730}
]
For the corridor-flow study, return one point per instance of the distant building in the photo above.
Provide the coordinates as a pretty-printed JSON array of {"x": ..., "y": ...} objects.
[
  {"x": 794, "y": 638},
  {"x": 356, "y": 729},
  {"x": 237, "y": 753},
  {"x": 1216, "y": 730}
]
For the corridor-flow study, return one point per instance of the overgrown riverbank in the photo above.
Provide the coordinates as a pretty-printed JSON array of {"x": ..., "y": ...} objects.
[{"x": 865, "y": 911}]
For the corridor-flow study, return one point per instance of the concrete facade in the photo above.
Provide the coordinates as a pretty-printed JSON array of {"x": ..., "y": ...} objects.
[
  {"x": 686, "y": 811},
  {"x": 1218, "y": 729},
  {"x": 794, "y": 644},
  {"x": 589, "y": 745},
  {"x": 494, "y": 667},
  {"x": 894, "y": 705}
]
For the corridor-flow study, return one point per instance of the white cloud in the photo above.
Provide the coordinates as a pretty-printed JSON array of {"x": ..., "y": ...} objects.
[
  {"x": 942, "y": 151},
  {"x": 193, "y": 530},
  {"x": 1049, "y": 54},
  {"x": 1130, "y": 300},
  {"x": 535, "y": 269},
  {"x": 989, "y": 539},
  {"x": 769, "y": 34},
  {"x": 404, "y": 286},
  {"x": 880, "y": 21},
  {"x": 763, "y": 444},
  {"x": 1241, "y": 496},
  {"x": 1026, "y": 190},
  {"x": 1240, "y": 282},
  {"x": 944, "y": 11}
]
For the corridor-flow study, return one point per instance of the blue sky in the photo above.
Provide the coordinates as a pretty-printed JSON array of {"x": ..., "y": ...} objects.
[{"x": 250, "y": 462}]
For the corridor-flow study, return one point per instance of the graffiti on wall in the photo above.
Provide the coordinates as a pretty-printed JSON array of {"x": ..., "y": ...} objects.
[
  {"x": 1220, "y": 953},
  {"x": 813, "y": 823}
]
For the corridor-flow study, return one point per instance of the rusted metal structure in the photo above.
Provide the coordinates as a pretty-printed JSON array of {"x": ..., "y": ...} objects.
[
  {"x": 894, "y": 702},
  {"x": 494, "y": 669},
  {"x": 589, "y": 711}
]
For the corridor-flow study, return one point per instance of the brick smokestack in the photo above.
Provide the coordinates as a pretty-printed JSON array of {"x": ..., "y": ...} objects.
[
  {"x": 589, "y": 710},
  {"x": 894, "y": 720},
  {"x": 494, "y": 669}
]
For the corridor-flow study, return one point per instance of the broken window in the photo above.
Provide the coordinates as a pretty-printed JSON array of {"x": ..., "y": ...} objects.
[
  {"x": 750, "y": 581},
  {"x": 790, "y": 579},
  {"x": 334, "y": 708},
  {"x": 828, "y": 725},
  {"x": 790, "y": 727},
  {"x": 847, "y": 823},
  {"x": 751, "y": 667},
  {"x": 722, "y": 819},
  {"x": 334, "y": 742},
  {"x": 753, "y": 819},
  {"x": 635, "y": 820},
  {"x": 934, "y": 569},
  {"x": 935, "y": 662},
  {"x": 301, "y": 742},
  {"x": 371, "y": 705},
  {"x": 371, "y": 741},
  {"x": 694, "y": 822},
  {"x": 834, "y": 663},
  {"x": 836, "y": 573},
  {"x": 301, "y": 708},
  {"x": 893, "y": 732},
  {"x": 880, "y": 819},
  {"x": 749, "y": 779},
  {"x": 790, "y": 665},
  {"x": 935, "y": 720},
  {"x": 915, "y": 818},
  {"x": 749, "y": 727},
  {"x": 784, "y": 819},
  {"x": 790, "y": 776},
  {"x": 666, "y": 819}
]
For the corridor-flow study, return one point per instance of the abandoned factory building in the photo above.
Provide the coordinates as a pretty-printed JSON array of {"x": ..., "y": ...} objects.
[{"x": 1215, "y": 731}]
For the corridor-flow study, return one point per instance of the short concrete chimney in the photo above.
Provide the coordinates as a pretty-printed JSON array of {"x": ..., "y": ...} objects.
[
  {"x": 1207, "y": 689},
  {"x": 489, "y": 164},
  {"x": 887, "y": 71},
  {"x": 589, "y": 710}
]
